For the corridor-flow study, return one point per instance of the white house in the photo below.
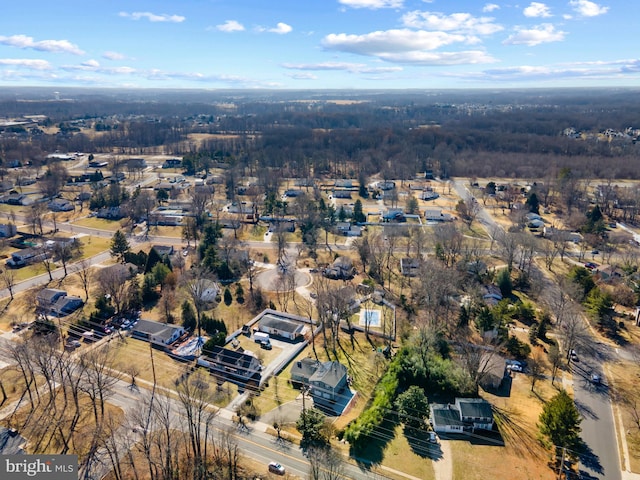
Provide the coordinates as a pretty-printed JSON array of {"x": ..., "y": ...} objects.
[{"x": 156, "y": 332}]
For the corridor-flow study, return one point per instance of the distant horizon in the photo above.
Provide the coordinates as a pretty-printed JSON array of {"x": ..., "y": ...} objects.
[{"x": 329, "y": 45}]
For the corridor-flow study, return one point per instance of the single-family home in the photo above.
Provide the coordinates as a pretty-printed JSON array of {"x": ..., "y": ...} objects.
[
  {"x": 436, "y": 215},
  {"x": 348, "y": 230},
  {"x": 26, "y": 257},
  {"x": 11, "y": 443},
  {"x": 476, "y": 412},
  {"x": 278, "y": 325},
  {"x": 609, "y": 273},
  {"x": 491, "y": 295},
  {"x": 345, "y": 194},
  {"x": 325, "y": 380},
  {"x": 66, "y": 305},
  {"x": 428, "y": 194},
  {"x": 7, "y": 230},
  {"x": 172, "y": 163},
  {"x": 445, "y": 418},
  {"x": 60, "y": 205},
  {"x": 163, "y": 250},
  {"x": 240, "y": 367},
  {"x": 47, "y": 297},
  {"x": 464, "y": 415},
  {"x": 293, "y": 193},
  {"x": 394, "y": 215},
  {"x": 157, "y": 333},
  {"x": 328, "y": 382},
  {"x": 341, "y": 269}
]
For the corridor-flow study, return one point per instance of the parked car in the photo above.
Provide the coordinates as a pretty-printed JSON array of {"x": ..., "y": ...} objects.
[
  {"x": 574, "y": 356},
  {"x": 433, "y": 438},
  {"x": 275, "y": 467},
  {"x": 590, "y": 265},
  {"x": 266, "y": 345},
  {"x": 515, "y": 368}
]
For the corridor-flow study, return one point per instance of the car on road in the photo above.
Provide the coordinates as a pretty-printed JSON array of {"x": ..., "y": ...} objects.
[
  {"x": 595, "y": 379},
  {"x": 590, "y": 265},
  {"x": 574, "y": 356},
  {"x": 515, "y": 367},
  {"x": 275, "y": 467},
  {"x": 595, "y": 252}
]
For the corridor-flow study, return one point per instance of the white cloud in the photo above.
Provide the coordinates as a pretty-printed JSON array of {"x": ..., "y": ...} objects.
[
  {"x": 31, "y": 64},
  {"x": 456, "y": 22},
  {"x": 587, "y": 8},
  {"x": 372, "y": 4},
  {"x": 537, "y": 9},
  {"x": 302, "y": 76},
  {"x": 281, "y": 28},
  {"x": 113, "y": 56},
  {"x": 91, "y": 63},
  {"x": 340, "y": 66},
  {"x": 490, "y": 7},
  {"x": 531, "y": 37},
  {"x": 230, "y": 26},
  {"x": 153, "y": 17},
  {"x": 406, "y": 46},
  {"x": 53, "y": 46}
]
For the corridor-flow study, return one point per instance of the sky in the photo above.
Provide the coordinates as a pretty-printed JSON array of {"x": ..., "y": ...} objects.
[{"x": 320, "y": 44}]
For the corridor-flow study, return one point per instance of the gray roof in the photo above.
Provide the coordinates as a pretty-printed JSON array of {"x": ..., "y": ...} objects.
[
  {"x": 157, "y": 329},
  {"x": 280, "y": 323},
  {"x": 329, "y": 373},
  {"x": 446, "y": 415},
  {"x": 474, "y": 408},
  {"x": 48, "y": 294},
  {"x": 303, "y": 369},
  {"x": 10, "y": 442}
]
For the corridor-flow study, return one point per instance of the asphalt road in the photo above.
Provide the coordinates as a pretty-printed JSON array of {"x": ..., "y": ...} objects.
[{"x": 598, "y": 425}]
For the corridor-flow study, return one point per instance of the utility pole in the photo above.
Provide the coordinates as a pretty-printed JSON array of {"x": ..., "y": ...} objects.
[{"x": 561, "y": 463}]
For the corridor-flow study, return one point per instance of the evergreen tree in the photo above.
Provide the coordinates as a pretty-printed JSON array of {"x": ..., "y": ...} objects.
[
  {"x": 119, "y": 245},
  {"x": 358, "y": 213},
  {"x": 188, "y": 316},
  {"x": 152, "y": 259},
  {"x": 413, "y": 407},
  {"x": 533, "y": 203},
  {"x": 560, "y": 422},
  {"x": 228, "y": 298}
]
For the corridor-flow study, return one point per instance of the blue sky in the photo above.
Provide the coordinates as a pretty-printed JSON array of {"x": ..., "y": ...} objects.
[{"x": 316, "y": 44}]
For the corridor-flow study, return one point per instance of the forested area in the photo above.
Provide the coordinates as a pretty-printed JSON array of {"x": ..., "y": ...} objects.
[{"x": 395, "y": 134}]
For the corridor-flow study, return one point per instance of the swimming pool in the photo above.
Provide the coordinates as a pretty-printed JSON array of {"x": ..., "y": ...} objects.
[{"x": 372, "y": 318}]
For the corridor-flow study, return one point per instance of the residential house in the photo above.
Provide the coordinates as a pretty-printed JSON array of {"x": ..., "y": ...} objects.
[
  {"x": 436, "y": 215},
  {"x": 302, "y": 370},
  {"x": 26, "y": 257},
  {"x": 279, "y": 325},
  {"x": 157, "y": 333},
  {"x": 97, "y": 164},
  {"x": 66, "y": 305},
  {"x": 428, "y": 194},
  {"x": 465, "y": 415},
  {"x": 394, "y": 215},
  {"x": 344, "y": 183},
  {"x": 493, "y": 371},
  {"x": 476, "y": 412},
  {"x": 328, "y": 382},
  {"x": 610, "y": 273},
  {"x": 491, "y": 295},
  {"x": 11, "y": 443},
  {"x": 348, "y": 230},
  {"x": 445, "y": 418},
  {"x": 341, "y": 194},
  {"x": 163, "y": 250},
  {"x": 292, "y": 193},
  {"x": 7, "y": 230},
  {"x": 136, "y": 163},
  {"x": 52, "y": 301},
  {"x": 47, "y": 297},
  {"x": 236, "y": 366},
  {"x": 172, "y": 163},
  {"x": 325, "y": 380},
  {"x": 111, "y": 213},
  {"x": 341, "y": 269},
  {"x": 386, "y": 185},
  {"x": 60, "y": 205}
]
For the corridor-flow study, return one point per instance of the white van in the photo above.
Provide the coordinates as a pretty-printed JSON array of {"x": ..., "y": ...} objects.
[{"x": 261, "y": 337}]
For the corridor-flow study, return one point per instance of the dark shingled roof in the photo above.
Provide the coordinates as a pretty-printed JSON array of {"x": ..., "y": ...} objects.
[
  {"x": 446, "y": 415},
  {"x": 474, "y": 407}
]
